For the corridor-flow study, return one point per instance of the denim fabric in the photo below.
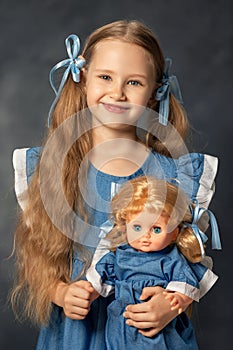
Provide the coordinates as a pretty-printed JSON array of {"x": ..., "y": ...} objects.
[
  {"x": 32, "y": 159},
  {"x": 131, "y": 271},
  {"x": 63, "y": 333}
]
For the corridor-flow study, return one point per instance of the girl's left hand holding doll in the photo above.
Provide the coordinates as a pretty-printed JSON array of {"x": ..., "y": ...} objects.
[{"x": 147, "y": 317}]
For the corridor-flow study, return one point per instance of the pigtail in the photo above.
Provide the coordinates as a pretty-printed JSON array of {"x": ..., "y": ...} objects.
[
  {"x": 168, "y": 140},
  {"x": 117, "y": 236},
  {"x": 71, "y": 101},
  {"x": 178, "y": 117},
  {"x": 188, "y": 245},
  {"x": 43, "y": 253},
  {"x": 187, "y": 241}
]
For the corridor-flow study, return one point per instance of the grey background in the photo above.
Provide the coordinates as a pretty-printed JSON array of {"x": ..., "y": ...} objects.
[{"x": 198, "y": 36}]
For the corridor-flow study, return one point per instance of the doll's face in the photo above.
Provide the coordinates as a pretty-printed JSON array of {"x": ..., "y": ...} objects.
[{"x": 147, "y": 232}]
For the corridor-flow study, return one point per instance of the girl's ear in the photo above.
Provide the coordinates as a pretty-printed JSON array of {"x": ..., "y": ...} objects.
[
  {"x": 151, "y": 102},
  {"x": 83, "y": 75}
]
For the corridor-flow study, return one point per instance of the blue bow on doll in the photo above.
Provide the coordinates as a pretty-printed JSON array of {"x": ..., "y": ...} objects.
[{"x": 197, "y": 212}]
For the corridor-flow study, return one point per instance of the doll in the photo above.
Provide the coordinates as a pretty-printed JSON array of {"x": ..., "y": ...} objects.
[{"x": 155, "y": 241}]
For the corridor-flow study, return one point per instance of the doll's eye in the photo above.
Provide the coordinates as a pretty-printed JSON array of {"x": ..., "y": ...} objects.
[
  {"x": 156, "y": 229},
  {"x": 137, "y": 228}
]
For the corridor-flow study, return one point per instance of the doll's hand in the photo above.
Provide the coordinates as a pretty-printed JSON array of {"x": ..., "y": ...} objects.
[
  {"x": 178, "y": 301},
  {"x": 75, "y": 298},
  {"x": 152, "y": 315}
]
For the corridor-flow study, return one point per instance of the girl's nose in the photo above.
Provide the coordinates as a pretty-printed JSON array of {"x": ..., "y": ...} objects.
[{"x": 117, "y": 92}]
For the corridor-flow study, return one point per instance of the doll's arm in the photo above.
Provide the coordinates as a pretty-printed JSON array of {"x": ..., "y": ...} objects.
[
  {"x": 178, "y": 301},
  {"x": 101, "y": 274}
]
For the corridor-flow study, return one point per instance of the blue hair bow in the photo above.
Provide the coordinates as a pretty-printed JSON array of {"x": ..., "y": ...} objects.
[
  {"x": 169, "y": 84},
  {"x": 73, "y": 64},
  {"x": 197, "y": 212}
]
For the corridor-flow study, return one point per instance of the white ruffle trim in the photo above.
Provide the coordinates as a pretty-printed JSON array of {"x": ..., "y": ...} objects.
[
  {"x": 93, "y": 276},
  {"x": 21, "y": 184},
  {"x": 206, "y": 283},
  {"x": 207, "y": 186}
]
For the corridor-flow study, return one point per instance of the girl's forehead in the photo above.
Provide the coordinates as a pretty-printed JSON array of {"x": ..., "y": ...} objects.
[{"x": 108, "y": 50}]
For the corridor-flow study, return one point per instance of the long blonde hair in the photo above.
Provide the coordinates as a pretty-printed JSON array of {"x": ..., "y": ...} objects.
[
  {"x": 43, "y": 252},
  {"x": 157, "y": 196}
]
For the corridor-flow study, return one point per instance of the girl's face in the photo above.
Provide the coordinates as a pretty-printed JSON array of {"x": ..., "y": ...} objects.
[
  {"x": 147, "y": 232},
  {"x": 120, "y": 81}
]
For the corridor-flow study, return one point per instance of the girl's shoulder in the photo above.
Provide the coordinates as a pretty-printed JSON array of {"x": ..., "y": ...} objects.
[
  {"x": 25, "y": 161},
  {"x": 194, "y": 172}
]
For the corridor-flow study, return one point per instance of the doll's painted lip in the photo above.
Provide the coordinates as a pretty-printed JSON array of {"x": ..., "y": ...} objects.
[
  {"x": 146, "y": 244},
  {"x": 115, "y": 108}
]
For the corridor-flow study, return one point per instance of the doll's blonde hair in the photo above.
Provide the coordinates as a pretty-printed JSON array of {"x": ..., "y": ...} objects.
[
  {"x": 43, "y": 253},
  {"x": 159, "y": 197}
]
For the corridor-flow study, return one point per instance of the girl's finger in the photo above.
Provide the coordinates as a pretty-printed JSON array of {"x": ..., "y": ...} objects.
[
  {"x": 140, "y": 325},
  {"x": 150, "y": 291},
  {"x": 135, "y": 308},
  {"x": 149, "y": 332},
  {"x": 81, "y": 303},
  {"x": 138, "y": 317}
]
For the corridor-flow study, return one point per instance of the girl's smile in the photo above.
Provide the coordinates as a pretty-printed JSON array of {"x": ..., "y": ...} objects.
[
  {"x": 115, "y": 108},
  {"x": 118, "y": 84}
]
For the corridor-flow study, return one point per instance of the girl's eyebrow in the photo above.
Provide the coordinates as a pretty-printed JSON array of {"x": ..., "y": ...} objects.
[
  {"x": 109, "y": 71},
  {"x": 103, "y": 70}
]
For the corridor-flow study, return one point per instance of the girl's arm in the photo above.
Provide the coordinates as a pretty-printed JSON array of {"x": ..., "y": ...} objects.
[
  {"x": 75, "y": 298},
  {"x": 153, "y": 315}
]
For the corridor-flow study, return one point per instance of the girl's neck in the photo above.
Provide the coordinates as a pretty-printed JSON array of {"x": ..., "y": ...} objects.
[
  {"x": 117, "y": 152},
  {"x": 102, "y": 134}
]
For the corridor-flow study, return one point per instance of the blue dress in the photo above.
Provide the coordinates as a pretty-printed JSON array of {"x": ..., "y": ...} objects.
[
  {"x": 129, "y": 271},
  {"x": 196, "y": 173}
]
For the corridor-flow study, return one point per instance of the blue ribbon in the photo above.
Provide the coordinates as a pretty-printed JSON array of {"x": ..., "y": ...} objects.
[
  {"x": 73, "y": 64},
  {"x": 197, "y": 212},
  {"x": 169, "y": 85}
]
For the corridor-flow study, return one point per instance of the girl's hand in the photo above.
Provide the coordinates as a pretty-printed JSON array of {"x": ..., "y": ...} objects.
[
  {"x": 151, "y": 316},
  {"x": 75, "y": 298}
]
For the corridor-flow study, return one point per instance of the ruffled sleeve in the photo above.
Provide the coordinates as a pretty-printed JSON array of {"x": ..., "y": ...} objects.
[
  {"x": 106, "y": 270},
  {"x": 101, "y": 273},
  {"x": 194, "y": 283},
  {"x": 196, "y": 173},
  {"x": 24, "y": 163},
  {"x": 191, "y": 279}
]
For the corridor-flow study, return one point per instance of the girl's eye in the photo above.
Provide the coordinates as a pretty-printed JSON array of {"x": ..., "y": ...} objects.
[
  {"x": 105, "y": 77},
  {"x": 156, "y": 229},
  {"x": 134, "y": 82},
  {"x": 137, "y": 228}
]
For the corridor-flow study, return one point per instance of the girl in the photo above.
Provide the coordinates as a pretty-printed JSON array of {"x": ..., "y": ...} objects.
[
  {"x": 152, "y": 218},
  {"x": 103, "y": 131}
]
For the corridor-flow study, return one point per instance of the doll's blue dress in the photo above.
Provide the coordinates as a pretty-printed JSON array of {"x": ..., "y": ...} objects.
[
  {"x": 195, "y": 172},
  {"x": 129, "y": 271}
]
